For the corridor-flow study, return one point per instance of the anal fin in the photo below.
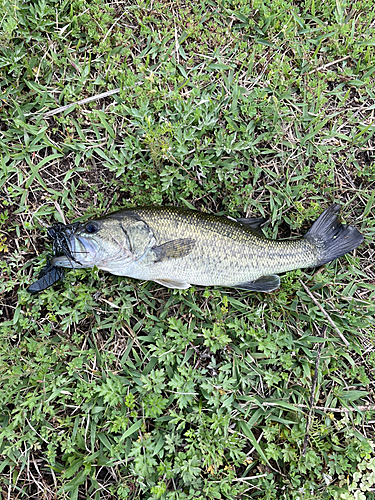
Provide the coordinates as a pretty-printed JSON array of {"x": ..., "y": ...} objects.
[
  {"x": 262, "y": 284},
  {"x": 182, "y": 285}
]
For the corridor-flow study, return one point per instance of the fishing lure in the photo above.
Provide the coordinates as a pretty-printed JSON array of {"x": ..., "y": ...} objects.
[{"x": 50, "y": 274}]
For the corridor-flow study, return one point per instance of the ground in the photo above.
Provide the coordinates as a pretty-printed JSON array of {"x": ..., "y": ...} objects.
[{"x": 113, "y": 388}]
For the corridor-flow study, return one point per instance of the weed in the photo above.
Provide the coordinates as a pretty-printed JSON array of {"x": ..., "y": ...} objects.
[{"x": 114, "y": 388}]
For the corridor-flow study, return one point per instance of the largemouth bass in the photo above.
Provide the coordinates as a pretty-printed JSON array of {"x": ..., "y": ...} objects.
[{"x": 177, "y": 248}]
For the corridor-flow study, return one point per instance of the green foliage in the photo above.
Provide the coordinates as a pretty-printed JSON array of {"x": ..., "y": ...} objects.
[{"x": 114, "y": 388}]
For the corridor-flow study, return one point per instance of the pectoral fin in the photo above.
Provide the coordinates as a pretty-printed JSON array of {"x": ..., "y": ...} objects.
[
  {"x": 262, "y": 284},
  {"x": 174, "y": 249},
  {"x": 182, "y": 285}
]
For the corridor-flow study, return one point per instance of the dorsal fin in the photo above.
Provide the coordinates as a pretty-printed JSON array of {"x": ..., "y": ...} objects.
[{"x": 253, "y": 223}]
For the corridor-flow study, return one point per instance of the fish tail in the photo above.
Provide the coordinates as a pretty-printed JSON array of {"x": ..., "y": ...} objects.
[{"x": 331, "y": 238}]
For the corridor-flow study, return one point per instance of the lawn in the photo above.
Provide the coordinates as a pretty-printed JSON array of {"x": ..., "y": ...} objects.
[{"x": 112, "y": 388}]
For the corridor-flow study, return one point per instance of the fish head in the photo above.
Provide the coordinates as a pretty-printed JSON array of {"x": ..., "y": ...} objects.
[{"x": 101, "y": 242}]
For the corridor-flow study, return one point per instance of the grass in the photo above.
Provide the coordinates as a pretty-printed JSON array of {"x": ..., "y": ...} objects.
[{"x": 119, "y": 389}]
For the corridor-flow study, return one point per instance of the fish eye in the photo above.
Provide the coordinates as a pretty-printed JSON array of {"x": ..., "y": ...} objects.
[{"x": 92, "y": 228}]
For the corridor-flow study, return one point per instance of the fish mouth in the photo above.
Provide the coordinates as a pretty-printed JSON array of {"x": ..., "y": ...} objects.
[
  {"x": 84, "y": 247},
  {"x": 67, "y": 242}
]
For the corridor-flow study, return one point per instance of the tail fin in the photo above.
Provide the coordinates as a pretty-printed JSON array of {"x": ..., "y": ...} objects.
[{"x": 331, "y": 238}]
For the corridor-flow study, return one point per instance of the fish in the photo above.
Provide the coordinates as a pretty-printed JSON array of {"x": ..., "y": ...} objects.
[{"x": 178, "y": 247}]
